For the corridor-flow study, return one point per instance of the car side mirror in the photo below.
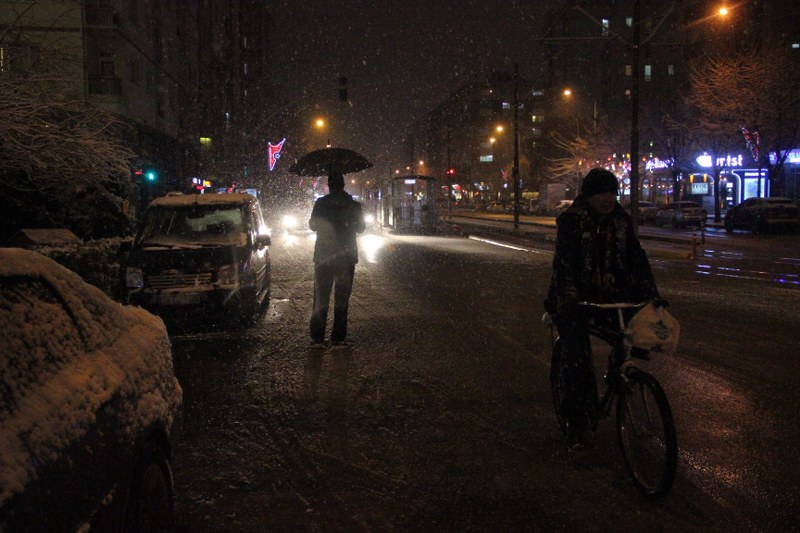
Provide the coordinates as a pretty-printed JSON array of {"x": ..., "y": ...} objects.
[{"x": 263, "y": 240}]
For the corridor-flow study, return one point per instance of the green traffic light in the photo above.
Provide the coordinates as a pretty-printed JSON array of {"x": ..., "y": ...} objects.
[{"x": 151, "y": 176}]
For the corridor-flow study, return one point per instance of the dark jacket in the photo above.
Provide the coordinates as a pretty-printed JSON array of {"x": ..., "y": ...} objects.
[
  {"x": 336, "y": 218},
  {"x": 597, "y": 260}
]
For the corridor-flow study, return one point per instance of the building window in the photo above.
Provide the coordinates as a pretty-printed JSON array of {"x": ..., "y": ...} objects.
[
  {"x": 627, "y": 93},
  {"x": 133, "y": 71},
  {"x": 628, "y": 70},
  {"x": 537, "y": 119},
  {"x": 629, "y": 21},
  {"x": 605, "y": 27},
  {"x": 486, "y": 158},
  {"x": 648, "y": 72},
  {"x": 244, "y": 41},
  {"x": 537, "y": 92},
  {"x": 671, "y": 70},
  {"x": 506, "y": 105}
]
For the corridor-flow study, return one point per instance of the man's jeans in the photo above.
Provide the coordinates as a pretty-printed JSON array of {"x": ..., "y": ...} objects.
[{"x": 340, "y": 279}]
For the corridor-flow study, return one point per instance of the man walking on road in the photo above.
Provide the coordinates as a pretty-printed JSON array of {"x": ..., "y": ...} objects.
[{"x": 337, "y": 218}]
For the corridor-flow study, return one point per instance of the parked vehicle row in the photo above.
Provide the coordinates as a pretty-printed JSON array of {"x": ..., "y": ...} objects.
[{"x": 763, "y": 214}]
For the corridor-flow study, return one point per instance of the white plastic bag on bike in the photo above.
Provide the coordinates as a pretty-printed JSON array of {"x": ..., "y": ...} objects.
[{"x": 655, "y": 329}]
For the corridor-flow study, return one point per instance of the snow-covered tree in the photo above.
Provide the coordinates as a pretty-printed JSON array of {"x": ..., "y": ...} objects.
[{"x": 63, "y": 161}]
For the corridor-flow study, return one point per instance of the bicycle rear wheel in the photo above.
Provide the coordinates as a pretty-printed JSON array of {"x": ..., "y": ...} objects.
[
  {"x": 557, "y": 370},
  {"x": 646, "y": 432}
]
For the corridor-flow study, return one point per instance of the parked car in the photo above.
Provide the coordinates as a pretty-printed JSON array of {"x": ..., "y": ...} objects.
[
  {"x": 201, "y": 254},
  {"x": 681, "y": 214},
  {"x": 647, "y": 211},
  {"x": 89, "y": 405},
  {"x": 496, "y": 207},
  {"x": 762, "y": 214}
]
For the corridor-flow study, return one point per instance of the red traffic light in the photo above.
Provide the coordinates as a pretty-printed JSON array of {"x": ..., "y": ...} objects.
[{"x": 451, "y": 171}]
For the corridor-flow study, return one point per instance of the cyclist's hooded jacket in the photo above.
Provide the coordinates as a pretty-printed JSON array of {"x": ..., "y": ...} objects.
[{"x": 598, "y": 260}]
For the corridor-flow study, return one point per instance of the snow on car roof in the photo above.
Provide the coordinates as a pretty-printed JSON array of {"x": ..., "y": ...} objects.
[
  {"x": 130, "y": 356},
  {"x": 203, "y": 199}
]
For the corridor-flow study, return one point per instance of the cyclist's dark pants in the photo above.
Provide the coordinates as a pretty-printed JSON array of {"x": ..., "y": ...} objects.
[{"x": 580, "y": 394}]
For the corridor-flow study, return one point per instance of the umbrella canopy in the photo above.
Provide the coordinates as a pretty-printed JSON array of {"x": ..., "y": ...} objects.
[{"x": 329, "y": 160}]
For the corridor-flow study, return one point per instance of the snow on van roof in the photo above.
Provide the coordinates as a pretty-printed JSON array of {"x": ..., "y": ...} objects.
[{"x": 204, "y": 199}]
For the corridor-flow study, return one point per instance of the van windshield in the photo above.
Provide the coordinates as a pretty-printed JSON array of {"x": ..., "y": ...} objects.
[{"x": 194, "y": 224}]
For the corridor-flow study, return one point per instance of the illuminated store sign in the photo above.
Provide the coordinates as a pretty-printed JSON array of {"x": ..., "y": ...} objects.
[
  {"x": 729, "y": 161},
  {"x": 793, "y": 158}
]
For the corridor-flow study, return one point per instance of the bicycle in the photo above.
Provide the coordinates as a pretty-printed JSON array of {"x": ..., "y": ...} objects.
[{"x": 645, "y": 426}]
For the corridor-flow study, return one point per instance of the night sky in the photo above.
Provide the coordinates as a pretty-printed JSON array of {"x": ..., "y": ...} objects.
[{"x": 402, "y": 58}]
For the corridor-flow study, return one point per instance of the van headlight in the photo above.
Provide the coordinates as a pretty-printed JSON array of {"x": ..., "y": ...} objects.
[
  {"x": 134, "y": 279},
  {"x": 228, "y": 274}
]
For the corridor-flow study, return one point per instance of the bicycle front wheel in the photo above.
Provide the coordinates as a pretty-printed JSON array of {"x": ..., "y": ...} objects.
[{"x": 646, "y": 432}]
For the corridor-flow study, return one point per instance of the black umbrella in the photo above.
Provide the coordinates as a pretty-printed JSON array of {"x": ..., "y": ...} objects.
[{"x": 329, "y": 160}]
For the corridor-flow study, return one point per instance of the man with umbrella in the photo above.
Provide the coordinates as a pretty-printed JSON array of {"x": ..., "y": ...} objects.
[{"x": 336, "y": 218}]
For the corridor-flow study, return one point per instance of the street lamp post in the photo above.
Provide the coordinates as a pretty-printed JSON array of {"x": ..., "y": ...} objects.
[{"x": 515, "y": 171}]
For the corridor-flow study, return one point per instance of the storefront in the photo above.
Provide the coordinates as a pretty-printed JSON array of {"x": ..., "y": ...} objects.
[{"x": 738, "y": 181}]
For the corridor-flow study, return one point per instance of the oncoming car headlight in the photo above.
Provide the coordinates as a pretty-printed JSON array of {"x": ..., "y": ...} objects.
[
  {"x": 369, "y": 218},
  {"x": 289, "y": 221}
]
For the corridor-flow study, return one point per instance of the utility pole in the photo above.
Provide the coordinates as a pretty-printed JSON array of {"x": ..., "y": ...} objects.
[
  {"x": 450, "y": 177},
  {"x": 515, "y": 171},
  {"x": 634, "y": 173}
]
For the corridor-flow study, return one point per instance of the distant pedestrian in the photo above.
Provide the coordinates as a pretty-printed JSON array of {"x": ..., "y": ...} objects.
[{"x": 337, "y": 218}]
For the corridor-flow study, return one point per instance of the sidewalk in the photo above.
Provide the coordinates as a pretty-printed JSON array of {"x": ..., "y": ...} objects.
[{"x": 541, "y": 232}]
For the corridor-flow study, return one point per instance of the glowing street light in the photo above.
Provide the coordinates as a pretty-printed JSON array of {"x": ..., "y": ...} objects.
[
  {"x": 723, "y": 11},
  {"x": 319, "y": 123}
]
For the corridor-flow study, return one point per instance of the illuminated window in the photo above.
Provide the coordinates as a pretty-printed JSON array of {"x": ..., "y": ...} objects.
[
  {"x": 506, "y": 105},
  {"x": 629, "y": 21},
  {"x": 245, "y": 69},
  {"x": 628, "y": 70},
  {"x": 487, "y": 158},
  {"x": 648, "y": 72},
  {"x": 605, "y": 27},
  {"x": 627, "y": 93},
  {"x": 671, "y": 70}
]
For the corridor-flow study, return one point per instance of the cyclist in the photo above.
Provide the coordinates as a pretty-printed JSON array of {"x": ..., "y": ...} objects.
[{"x": 598, "y": 259}]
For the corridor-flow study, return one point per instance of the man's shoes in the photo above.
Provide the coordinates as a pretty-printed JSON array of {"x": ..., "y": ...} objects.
[
  {"x": 579, "y": 436},
  {"x": 340, "y": 344},
  {"x": 317, "y": 345}
]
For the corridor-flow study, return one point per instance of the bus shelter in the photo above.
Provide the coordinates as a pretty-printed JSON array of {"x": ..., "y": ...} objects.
[{"x": 409, "y": 205}]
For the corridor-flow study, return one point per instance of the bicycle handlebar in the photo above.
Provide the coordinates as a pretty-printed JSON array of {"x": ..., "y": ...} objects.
[{"x": 624, "y": 305}]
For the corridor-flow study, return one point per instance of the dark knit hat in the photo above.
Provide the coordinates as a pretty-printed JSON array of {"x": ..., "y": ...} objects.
[
  {"x": 336, "y": 181},
  {"x": 598, "y": 181}
]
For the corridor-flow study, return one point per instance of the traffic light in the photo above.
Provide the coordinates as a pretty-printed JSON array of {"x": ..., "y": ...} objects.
[
  {"x": 451, "y": 172},
  {"x": 342, "y": 89},
  {"x": 151, "y": 175}
]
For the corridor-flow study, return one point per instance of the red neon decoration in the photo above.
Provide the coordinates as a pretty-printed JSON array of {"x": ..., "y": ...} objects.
[{"x": 274, "y": 153}]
